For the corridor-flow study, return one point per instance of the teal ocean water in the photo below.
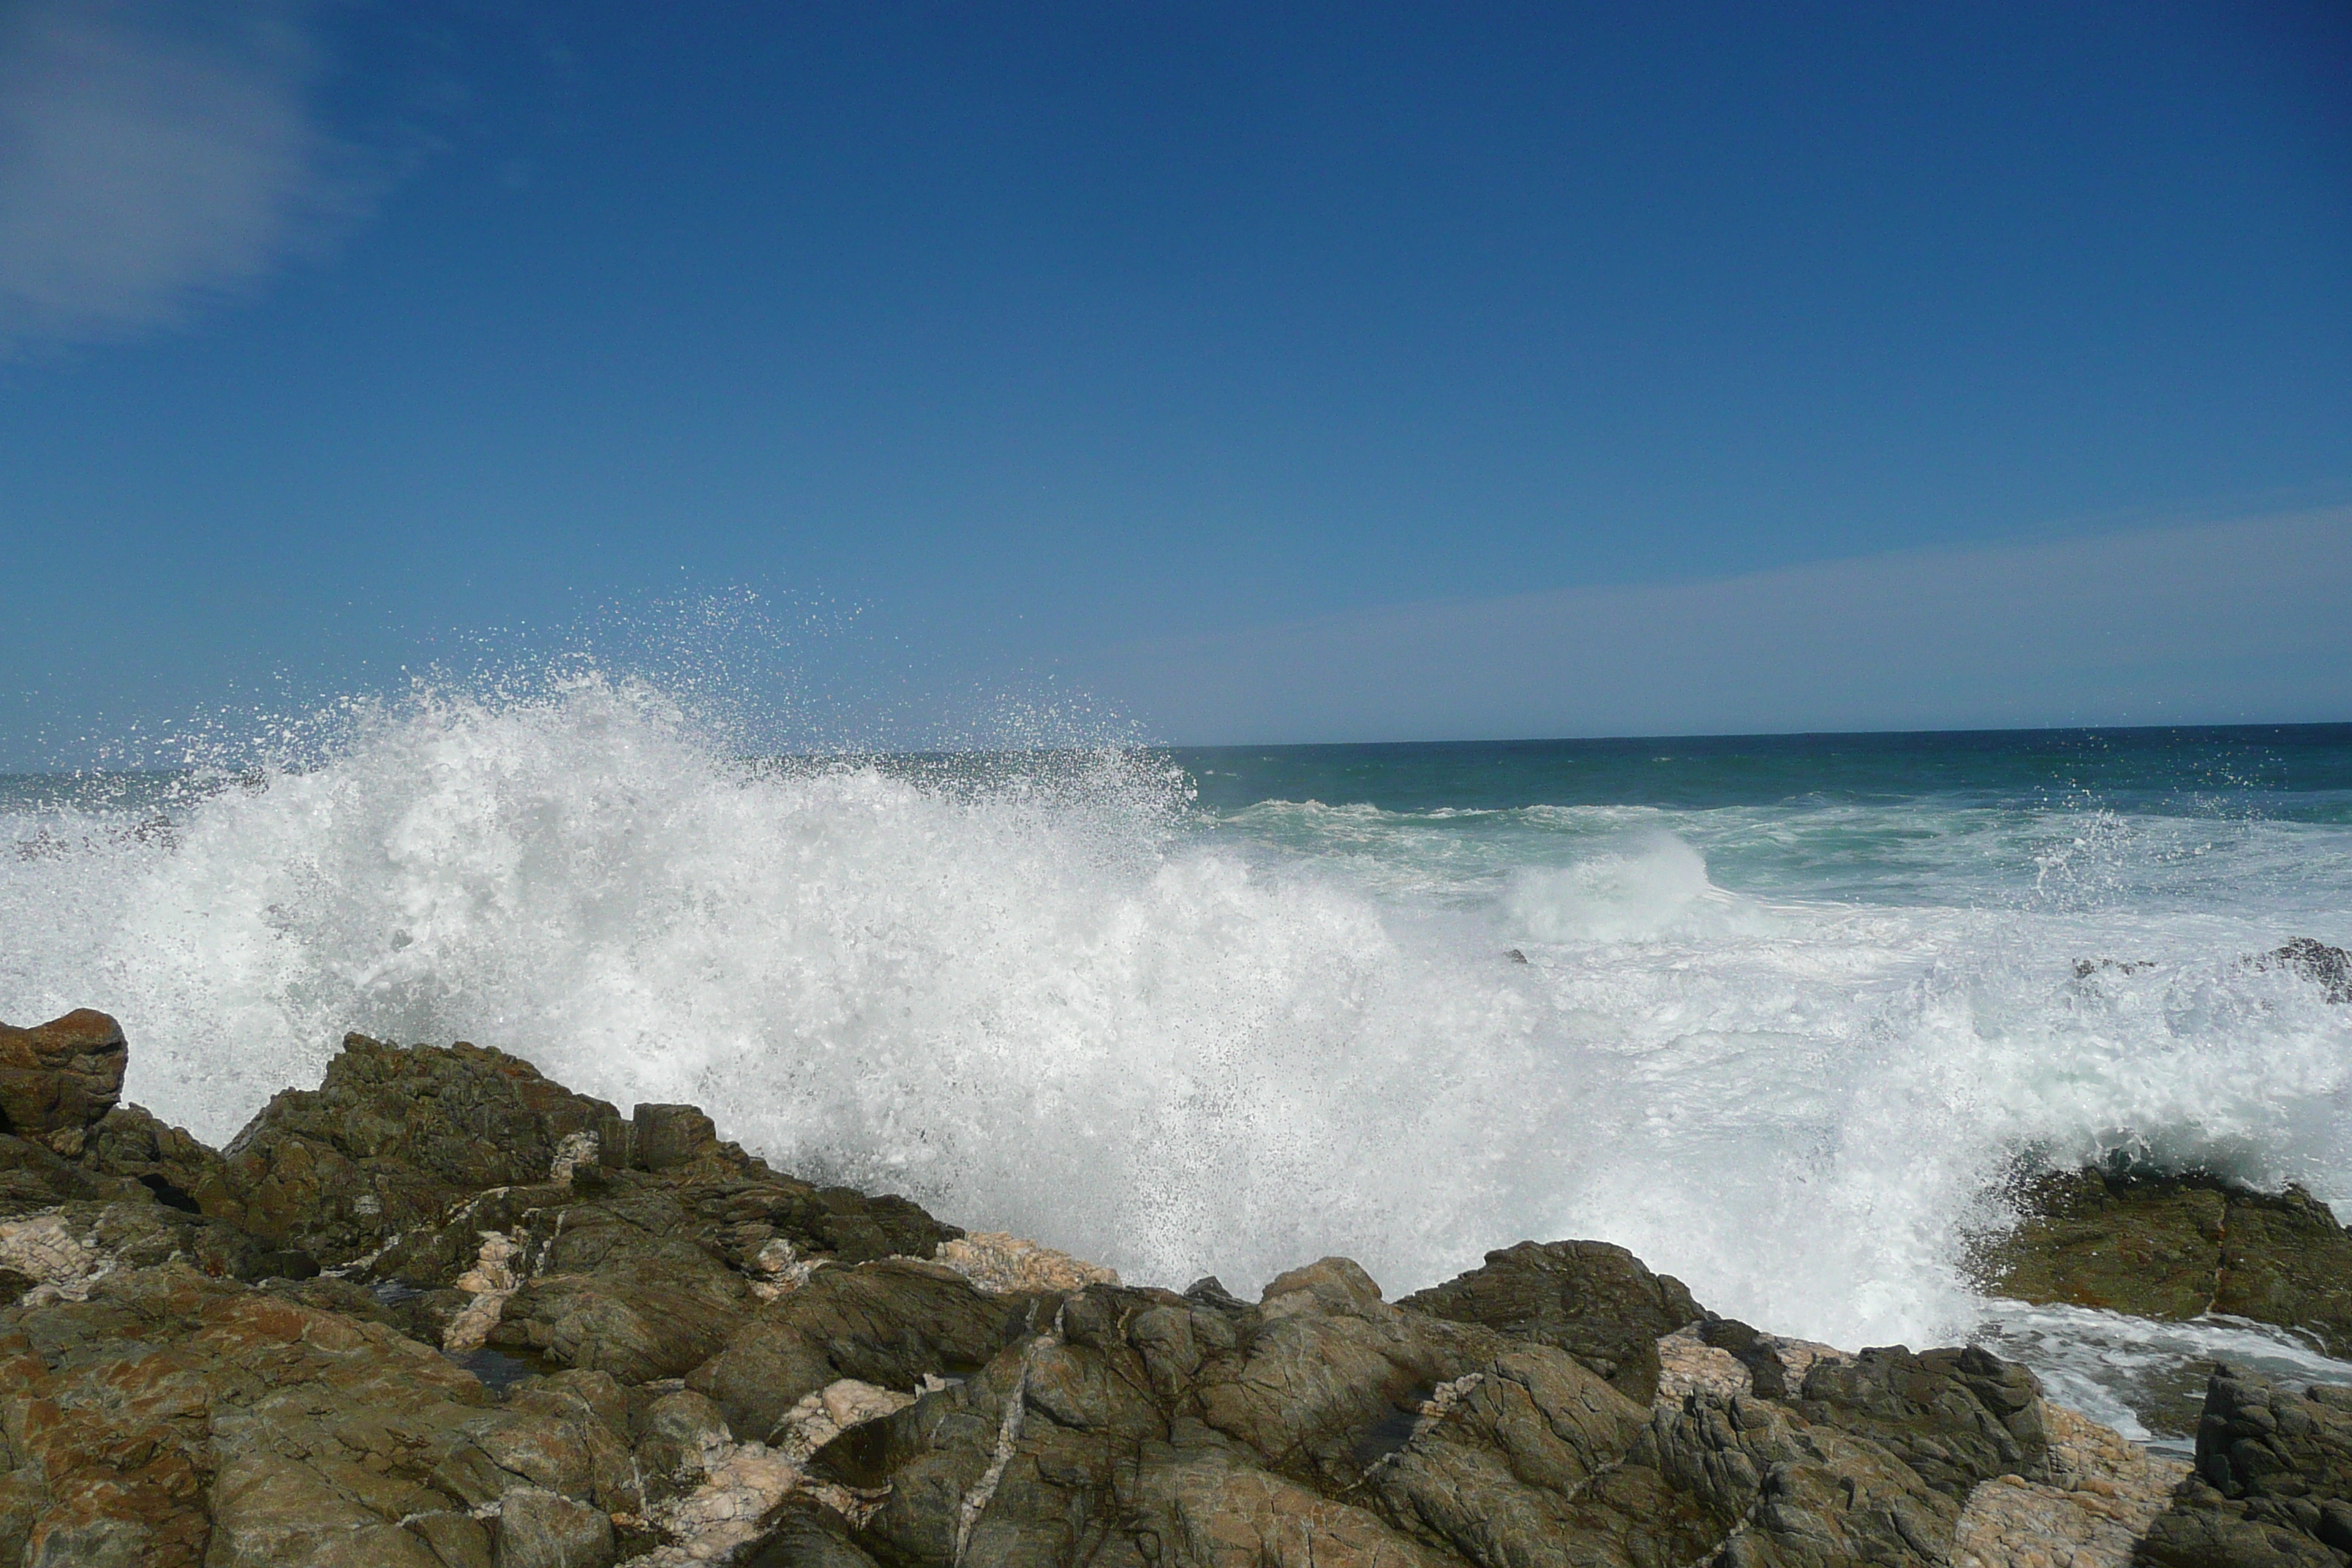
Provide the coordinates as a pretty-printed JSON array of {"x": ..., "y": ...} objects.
[{"x": 1782, "y": 1014}]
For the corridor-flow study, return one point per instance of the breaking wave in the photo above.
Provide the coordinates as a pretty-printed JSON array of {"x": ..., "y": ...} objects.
[{"x": 1049, "y": 993}]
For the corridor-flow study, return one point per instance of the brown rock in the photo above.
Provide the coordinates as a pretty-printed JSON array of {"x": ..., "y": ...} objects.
[
  {"x": 669, "y": 1136},
  {"x": 131, "y": 1143},
  {"x": 2176, "y": 1247},
  {"x": 61, "y": 1075},
  {"x": 2285, "y": 1260},
  {"x": 394, "y": 1136},
  {"x": 886, "y": 1323},
  {"x": 199, "y": 1421},
  {"x": 546, "y": 1530},
  {"x": 1596, "y": 1301},
  {"x": 32, "y": 1177}
]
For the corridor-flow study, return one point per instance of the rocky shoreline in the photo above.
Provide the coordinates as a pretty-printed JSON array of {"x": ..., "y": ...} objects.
[{"x": 441, "y": 1312}]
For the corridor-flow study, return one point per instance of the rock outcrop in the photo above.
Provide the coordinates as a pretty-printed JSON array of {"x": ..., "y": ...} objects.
[
  {"x": 1596, "y": 1301},
  {"x": 443, "y": 1312},
  {"x": 60, "y": 1076},
  {"x": 2178, "y": 1247},
  {"x": 2272, "y": 1484}
]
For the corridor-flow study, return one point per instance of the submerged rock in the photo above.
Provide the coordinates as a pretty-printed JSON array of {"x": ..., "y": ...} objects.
[
  {"x": 2177, "y": 1246},
  {"x": 2329, "y": 968}
]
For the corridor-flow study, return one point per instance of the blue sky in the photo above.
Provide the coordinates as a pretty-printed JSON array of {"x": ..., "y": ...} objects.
[{"x": 1256, "y": 372}]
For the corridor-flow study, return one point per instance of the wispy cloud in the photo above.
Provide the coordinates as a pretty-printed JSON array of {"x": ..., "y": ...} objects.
[
  {"x": 2214, "y": 623},
  {"x": 153, "y": 155}
]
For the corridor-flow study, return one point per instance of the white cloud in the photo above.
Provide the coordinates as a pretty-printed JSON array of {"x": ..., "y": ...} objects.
[
  {"x": 2247, "y": 621},
  {"x": 152, "y": 155}
]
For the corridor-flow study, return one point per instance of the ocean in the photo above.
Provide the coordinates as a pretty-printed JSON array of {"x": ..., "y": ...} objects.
[{"x": 1784, "y": 1015}]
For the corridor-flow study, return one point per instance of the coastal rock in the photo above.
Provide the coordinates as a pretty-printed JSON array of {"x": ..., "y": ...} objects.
[
  {"x": 62, "y": 1251},
  {"x": 2102, "y": 1495},
  {"x": 58, "y": 1078},
  {"x": 863, "y": 1385},
  {"x": 888, "y": 1323},
  {"x": 1596, "y": 1301},
  {"x": 624, "y": 1283},
  {"x": 643, "y": 1275},
  {"x": 1775, "y": 1491},
  {"x": 1956, "y": 1416},
  {"x": 1136, "y": 1425},
  {"x": 393, "y": 1137},
  {"x": 2272, "y": 1484},
  {"x": 130, "y": 1143},
  {"x": 1004, "y": 1265},
  {"x": 185, "y": 1420},
  {"x": 2177, "y": 1246},
  {"x": 2329, "y": 968},
  {"x": 2285, "y": 1260},
  {"x": 32, "y": 1177},
  {"x": 1322, "y": 1424}
]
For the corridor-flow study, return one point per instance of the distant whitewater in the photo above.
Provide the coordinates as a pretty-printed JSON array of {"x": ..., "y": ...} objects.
[{"x": 1779, "y": 1016}]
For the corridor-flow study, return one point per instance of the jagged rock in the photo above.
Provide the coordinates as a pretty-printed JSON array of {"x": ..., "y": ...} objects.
[
  {"x": 1790, "y": 1495},
  {"x": 1519, "y": 1460},
  {"x": 1002, "y": 1263},
  {"x": 1596, "y": 1301},
  {"x": 644, "y": 1275},
  {"x": 58, "y": 1078},
  {"x": 887, "y": 1322},
  {"x": 32, "y": 1177},
  {"x": 63, "y": 1250},
  {"x": 546, "y": 1530},
  {"x": 809, "y": 1535},
  {"x": 191, "y": 1420},
  {"x": 394, "y": 1136},
  {"x": 675, "y": 1436},
  {"x": 669, "y": 1136},
  {"x": 1328, "y": 1374},
  {"x": 2176, "y": 1247},
  {"x": 1096, "y": 1437},
  {"x": 131, "y": 1143},
  {"x": 848, "y": 1404},
  {"x": 1956, "y": 1416},
  {"x": 2272, "y": 1484},
  {"x": 2102, "y": 1495},
  {"x": 1324, "y": 1425}
]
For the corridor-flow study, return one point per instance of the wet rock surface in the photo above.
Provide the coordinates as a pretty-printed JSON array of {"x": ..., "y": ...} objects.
[
  {"x": 2329, "y": 968},
  {"x": 2273, "y": 1483},
  {"x": 2178, "y": 1248},
  {"x": 442, "y": 1311}
]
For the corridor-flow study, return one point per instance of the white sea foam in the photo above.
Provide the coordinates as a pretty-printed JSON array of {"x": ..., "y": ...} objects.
[{"x": 1043, "y": 998}]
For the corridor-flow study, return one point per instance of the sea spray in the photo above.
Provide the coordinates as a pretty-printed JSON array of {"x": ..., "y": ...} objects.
[{"x": 1045, "y": 993}]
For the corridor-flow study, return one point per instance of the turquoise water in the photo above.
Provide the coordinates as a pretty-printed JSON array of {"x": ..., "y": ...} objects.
[
  {"x": 2201, "y": 818},
  {"x": 1781, "y": 1013}
]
